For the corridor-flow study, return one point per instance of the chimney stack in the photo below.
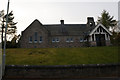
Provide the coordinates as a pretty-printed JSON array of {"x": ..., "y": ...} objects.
[
  {"x": 90, "y": 22},
  {"x": 62, "y": 22}
]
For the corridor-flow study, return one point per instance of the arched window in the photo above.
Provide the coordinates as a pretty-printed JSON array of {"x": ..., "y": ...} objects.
[
  {"x": 30, "y": 39},
  {"x": 40, "y": 39},
  {"x": 35, "y": 36}
]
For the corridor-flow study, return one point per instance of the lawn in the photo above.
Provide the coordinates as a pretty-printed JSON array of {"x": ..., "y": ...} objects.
[{"x": 62, "y": 56}]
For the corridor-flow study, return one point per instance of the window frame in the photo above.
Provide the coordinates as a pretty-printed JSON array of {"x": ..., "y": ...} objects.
[
  {"x": 41, "y": 39},
  {"x": 57, "y": 39},
  {"x": 81, "y": 40},
  {"x": 30, "y": 39},
  {"x": 53, "y": 40},
  {"x": 67, "y": 40},
  {"x": 71, "y": 39},
  {"x": 35, "y": 37}
]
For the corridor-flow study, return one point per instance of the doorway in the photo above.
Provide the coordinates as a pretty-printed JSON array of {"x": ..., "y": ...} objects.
[{"x": 100, "y": 39}]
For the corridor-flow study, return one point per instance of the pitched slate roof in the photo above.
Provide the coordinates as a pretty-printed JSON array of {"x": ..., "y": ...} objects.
[
  {"x": 65, "y": 29},
  {"x": 68, "y": 29}
]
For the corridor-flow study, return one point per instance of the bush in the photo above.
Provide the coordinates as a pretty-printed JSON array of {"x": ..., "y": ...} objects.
[
  {"x": 115, "y": 39},
  {"x": 10, "y": 44}
]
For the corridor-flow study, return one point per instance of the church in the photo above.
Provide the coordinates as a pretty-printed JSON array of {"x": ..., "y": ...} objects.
[{"x": 38, "y": 35}]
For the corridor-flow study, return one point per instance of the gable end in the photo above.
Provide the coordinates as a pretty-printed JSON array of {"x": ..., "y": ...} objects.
[{"x": 100, "y": 25}]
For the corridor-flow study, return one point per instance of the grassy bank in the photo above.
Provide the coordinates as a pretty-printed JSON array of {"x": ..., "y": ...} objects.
[{"x": 62, "y": 56}]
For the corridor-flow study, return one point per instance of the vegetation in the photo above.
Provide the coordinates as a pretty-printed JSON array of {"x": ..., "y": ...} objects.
[
  {"x": 62, "y": 56},
  {"x": 11, "y": 26},
  {"x": 115, "y": 39},
  {"x": 107, "y": 20},
  {"x": 13, "y": 43}
]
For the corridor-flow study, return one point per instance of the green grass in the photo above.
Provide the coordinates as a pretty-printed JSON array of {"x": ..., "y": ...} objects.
[{"x": 62, "y": 56}]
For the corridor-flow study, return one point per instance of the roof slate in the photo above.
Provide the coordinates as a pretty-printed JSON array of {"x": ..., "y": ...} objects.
[
  {"x": 69, "y": 29},
  {"x": 65, "y": 29}
]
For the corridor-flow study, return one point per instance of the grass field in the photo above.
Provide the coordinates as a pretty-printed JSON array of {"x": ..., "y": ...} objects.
[{"x": 62, "y": 56}]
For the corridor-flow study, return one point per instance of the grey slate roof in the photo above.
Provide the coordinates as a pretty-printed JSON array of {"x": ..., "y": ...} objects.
[
  {"x": 68, "y": 29},
  {"x": 65, "y": 29}
]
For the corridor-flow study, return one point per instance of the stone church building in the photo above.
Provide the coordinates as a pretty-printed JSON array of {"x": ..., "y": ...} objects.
[{"x": 37, "y": 35}]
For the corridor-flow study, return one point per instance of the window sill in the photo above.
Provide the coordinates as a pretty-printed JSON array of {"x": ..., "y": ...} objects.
[
  {"x": 67, "y": 41},
  {"x": 40, "y": 41},
  {"x": 35, "y": 41},
  {"x": 30, "y": 42},
  {"x": 81, "y": 41}
]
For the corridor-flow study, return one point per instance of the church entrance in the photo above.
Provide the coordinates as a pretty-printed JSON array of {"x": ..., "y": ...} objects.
[{"x": 100, "y": 39}]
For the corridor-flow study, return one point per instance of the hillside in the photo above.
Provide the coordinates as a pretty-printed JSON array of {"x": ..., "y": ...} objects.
[{"x": 62, "y": 56}]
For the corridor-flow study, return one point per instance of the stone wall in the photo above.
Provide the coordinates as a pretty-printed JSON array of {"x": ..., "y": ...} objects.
[
  {"x": 93, "y": 43},
  {"x": 47, "y": 36},
  {"x": 63, "y": 71},
  {"x": 30, "y": 31},
  {"x": 62, "y": 42},
  {"x": 108, "y": 43}
]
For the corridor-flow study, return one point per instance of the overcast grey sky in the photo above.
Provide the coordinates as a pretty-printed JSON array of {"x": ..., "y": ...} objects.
[{"x": 52, "y": 11}]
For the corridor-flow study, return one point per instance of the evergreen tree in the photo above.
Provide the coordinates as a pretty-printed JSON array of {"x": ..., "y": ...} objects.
[
  {"x": 11, "y": 29},
  {"x": 2, "y": 23},
  {"x": 107, "y": 20}
]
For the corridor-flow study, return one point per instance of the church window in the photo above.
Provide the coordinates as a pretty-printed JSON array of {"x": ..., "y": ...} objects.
[
  {"x": 67, "y": 40},
  {"x": 81, "y": 39},
  {"x": 71, "y": 39},
  {"x": 57, "y": 39},
  {"x": 35, "y": 37},
  {"x": 53, "y": 39},
  {"x": 30, "y": 39},
  {"x": 40, "y": 39}
]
